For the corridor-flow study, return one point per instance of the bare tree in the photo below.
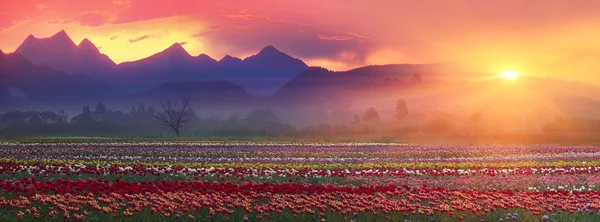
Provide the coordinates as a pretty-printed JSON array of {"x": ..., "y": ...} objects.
[{"x": 174, "y": 114}]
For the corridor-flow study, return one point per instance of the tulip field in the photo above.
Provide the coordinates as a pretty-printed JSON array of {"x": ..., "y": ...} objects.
[{"x": 104, "y": 180}]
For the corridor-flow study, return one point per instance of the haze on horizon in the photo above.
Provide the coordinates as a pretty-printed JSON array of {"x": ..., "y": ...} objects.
[{"x": 540, "y": 37}]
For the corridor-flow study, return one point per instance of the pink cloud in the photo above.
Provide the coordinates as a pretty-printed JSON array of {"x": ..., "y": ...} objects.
[
  {"x": 92, "y": 19},
  {"x": 334, "y": 37},
  {"x": 359, "y": 36},
  {"x": 6, "y": 25},
  {"x": 8, "y": 20},
  {"x": 246, "y": 15},
  {"x": 243, "y": 14}
]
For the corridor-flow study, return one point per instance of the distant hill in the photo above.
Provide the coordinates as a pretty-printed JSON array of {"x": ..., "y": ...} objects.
[
  {"x": 208, "y": 96},
  {"x": 209, "y": 91},
  {"x": 322, "y": 85}
]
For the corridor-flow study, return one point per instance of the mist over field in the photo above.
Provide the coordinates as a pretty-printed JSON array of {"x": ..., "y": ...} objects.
[{"x": 312, "y": 110}]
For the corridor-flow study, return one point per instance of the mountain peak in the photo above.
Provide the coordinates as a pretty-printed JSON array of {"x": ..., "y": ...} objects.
[
  {"x": 203, "y": 58},
  {"x": 177, "y": 45},
  {"x": 29, "y": 41},
  {"x": 270, "y": 56},
  {"x": 87, "y": 45},
  {"x": 30, "y": 37},
  {"x": 62, "y": 34},
  {"x": 61, "y": 39},
  {"x": 230, "y": 61},
  {"x": 176, "y": 49},
  {"x": 228, "y": 58},
  {"x": 86, "y": 42},
  {"x": 269, "y": 49}
]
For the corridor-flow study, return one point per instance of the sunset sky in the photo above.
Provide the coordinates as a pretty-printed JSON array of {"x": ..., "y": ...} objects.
[{"x": 556, "y": 38}]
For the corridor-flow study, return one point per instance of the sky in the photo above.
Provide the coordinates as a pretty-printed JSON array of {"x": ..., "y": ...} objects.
[{"x": 556, "y": 38}]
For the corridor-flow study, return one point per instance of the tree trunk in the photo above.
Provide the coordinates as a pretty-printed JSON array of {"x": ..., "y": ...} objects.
[{"x": 177, "y": 132}]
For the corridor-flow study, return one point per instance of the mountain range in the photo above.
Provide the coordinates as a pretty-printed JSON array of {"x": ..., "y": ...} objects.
[{"x": 261, "y": 73}]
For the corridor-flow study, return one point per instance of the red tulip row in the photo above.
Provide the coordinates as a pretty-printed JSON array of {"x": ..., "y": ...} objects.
[
  {"x": 168, "y": 198},
  {"x": 31, "y": 186}
]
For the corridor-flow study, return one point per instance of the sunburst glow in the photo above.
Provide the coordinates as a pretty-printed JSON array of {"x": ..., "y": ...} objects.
[{"x": 509, "y": 75}]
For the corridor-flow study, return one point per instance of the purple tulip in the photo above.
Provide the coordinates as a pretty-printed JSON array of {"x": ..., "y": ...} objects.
[{"x": 545, "y": 218}]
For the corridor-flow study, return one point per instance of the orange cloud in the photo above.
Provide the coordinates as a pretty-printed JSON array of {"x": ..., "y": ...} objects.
[{"x": 121, "y": 2}]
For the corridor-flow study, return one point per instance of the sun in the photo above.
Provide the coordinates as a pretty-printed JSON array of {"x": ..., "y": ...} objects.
[{"x": 509, "y": 75}]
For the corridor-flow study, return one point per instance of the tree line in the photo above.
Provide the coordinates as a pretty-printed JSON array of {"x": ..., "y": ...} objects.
[
  {"x": 171, "y": 117},
  {"x": 175, "y": 117}
]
